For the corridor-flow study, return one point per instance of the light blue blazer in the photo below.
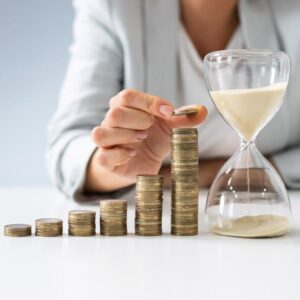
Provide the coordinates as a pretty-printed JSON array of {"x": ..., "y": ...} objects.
[{"x": 132, "y": 43}]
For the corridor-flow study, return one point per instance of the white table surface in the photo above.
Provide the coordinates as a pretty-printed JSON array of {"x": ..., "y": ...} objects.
[{"x": 131, "y": 267}]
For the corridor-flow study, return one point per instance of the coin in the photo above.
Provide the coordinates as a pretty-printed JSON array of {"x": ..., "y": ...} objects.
[
  {"x": 82, "y": 214},
  {"x": 17, "y": 230},
  {"x": 185, "y": 178},
  {"x": 185, "y": 111},
  {"x": 148, "y": 212},
  {"x": 82, "y": 223},
  {"x": 184, "y": 131},
  {"x": 48, "y": 227},
  {"x": 113, "y": 217}
]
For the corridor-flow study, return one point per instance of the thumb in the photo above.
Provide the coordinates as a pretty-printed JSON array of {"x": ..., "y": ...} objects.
[{"x": 189, "y": 120}]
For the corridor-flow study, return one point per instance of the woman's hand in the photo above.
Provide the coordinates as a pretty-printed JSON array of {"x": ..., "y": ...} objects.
[{"x": 133, "y": 139}]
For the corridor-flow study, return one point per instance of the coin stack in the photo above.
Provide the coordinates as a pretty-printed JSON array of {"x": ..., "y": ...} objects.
[
  {"x": 184, "y": 172},
  {"x": 48, "y": 227},
  {"x": 82, "y": 223},
  {"x": 149, "y": 198},
  {"x": 113, "y": 217},
  {"x": 17, "y": 230}
]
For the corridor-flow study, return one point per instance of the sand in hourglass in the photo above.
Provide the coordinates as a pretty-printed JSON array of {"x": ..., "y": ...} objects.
[
  {"x": 254, "y": 226},
  {"x": 247, "y": 110}
]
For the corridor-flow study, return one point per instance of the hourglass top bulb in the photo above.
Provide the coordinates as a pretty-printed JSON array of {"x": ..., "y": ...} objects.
[{"x": 249, "y": 110}]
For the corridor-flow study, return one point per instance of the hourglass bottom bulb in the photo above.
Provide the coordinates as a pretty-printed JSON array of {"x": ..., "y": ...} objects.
[{"x": 248, "y": 198}]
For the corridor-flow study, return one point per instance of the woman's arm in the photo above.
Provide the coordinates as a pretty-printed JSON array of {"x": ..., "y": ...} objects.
[
  {"x": 93, "y": 76},
  {"x": 116, "y": 152}
]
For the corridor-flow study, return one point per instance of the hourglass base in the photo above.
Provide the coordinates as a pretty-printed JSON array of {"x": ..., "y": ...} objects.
[{"x": 248, "y": 198}]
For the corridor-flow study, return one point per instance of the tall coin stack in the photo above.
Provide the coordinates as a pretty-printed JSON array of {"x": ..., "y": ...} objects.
[
  {"x": 48, "y": 227},
  {"x": 113, "y": 217},
  {"x": 149, "y": 198},
  {"x": 82, "y": 223},
  {"x": 185, "y": 178}
]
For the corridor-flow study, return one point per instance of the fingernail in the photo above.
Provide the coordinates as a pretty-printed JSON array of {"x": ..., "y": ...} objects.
[
  {"x": 166, "y": 110},
  {"x": 141, "y": 135},
  {"x": 131, "y": 152}
]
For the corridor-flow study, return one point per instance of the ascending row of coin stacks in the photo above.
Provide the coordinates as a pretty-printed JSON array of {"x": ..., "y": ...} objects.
[
  {"x": 113, "y": 217},
  {"x": 185, "y": 178},
  {"x": 149, "y": 199},
  {"x": 82, "y": 223}
]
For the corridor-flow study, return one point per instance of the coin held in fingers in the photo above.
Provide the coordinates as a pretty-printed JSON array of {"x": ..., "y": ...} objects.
[{"x": 182, "y": 111}]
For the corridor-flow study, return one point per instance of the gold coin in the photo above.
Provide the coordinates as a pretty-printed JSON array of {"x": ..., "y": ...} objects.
[
  {"x": 185, "y": 131},
  {"x": 113, "y": 217},
  {"x": 17, "y": 230},
  {"x": 84, "y": 214},
  {"x": 82, "y": 223},
  {"x": 48, "y": 227},
  {"x": 149, "y": 178},
  {"x": 186, "y": 111}
]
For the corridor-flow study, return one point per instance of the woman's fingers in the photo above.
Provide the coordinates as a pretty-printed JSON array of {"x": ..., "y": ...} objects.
[
  {"x": 110, "y": 158},
  {"x": 128, "y": 118},
  {"x": 108, "y": 137},
  {"x": 150, "y": 104},
  {"x": 189, "y": 120}
]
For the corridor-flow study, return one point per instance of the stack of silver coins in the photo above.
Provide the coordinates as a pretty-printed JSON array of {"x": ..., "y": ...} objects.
[
  {"x": 82, "y": 223},
  {"x": 113, "y": 217},
  {"x": 185, "y": 181},
  {"x": 48, "y": 227},
  {"x": 149, "y": 199},
  {"x": 17, "y": 230}
]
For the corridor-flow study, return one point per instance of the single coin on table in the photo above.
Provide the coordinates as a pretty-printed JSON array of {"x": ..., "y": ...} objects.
[{"x": 185, "y": 111}]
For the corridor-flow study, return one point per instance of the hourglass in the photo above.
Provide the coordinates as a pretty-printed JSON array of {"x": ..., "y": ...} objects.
[{"x": 247, "y": 197}]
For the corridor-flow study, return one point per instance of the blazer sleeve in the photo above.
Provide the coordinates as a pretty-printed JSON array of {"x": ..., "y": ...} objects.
[
  {"x": 94, "y": 75},
  {"x": 286, "y": 16},
  {"x": 288, "y": 163}
]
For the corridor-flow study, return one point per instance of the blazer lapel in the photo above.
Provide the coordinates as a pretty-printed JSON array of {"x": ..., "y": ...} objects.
[
  {"x": 160, "y": 37},
  {"x": 257, "y": 25}
]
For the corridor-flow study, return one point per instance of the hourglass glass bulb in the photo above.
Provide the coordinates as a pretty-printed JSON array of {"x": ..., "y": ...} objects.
[{"x": 247, "y": 197}]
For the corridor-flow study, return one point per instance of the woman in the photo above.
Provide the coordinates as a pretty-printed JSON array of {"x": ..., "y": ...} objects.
[{"x": 129, "y": 57}]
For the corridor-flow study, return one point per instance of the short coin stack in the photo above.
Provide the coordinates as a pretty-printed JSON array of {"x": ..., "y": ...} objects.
[
  {"x": 113, "y": 217},
  {"x": 48, "y": 227},
  {"x": 17, "y": 230},
  {"x": 185, "y": 177},
  {"x": 149, "y": 198},
  {"x": 82, "y": 223}
]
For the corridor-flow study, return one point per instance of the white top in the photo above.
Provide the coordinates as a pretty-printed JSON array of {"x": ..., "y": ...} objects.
[
  {"x": 203, "y": 267},
  {"x": 216, "y": 137}
]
